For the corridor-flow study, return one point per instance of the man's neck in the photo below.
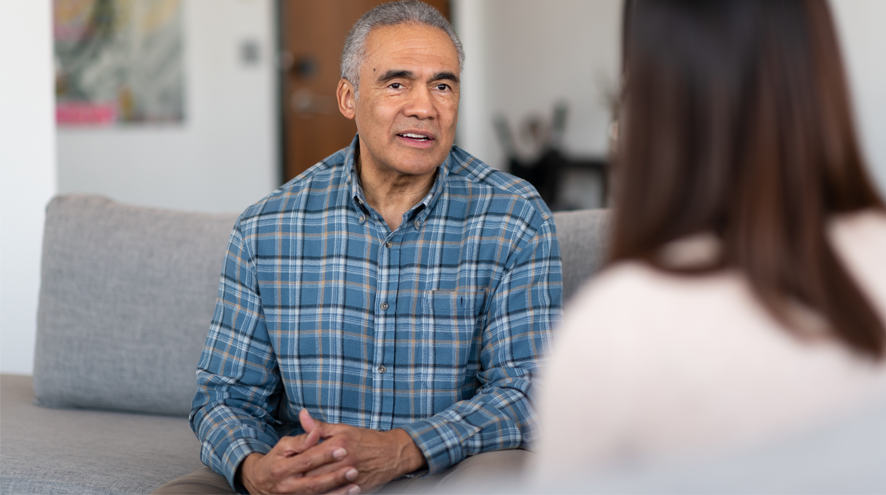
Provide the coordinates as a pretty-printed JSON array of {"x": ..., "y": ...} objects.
[{"x": 392, "y": 195}]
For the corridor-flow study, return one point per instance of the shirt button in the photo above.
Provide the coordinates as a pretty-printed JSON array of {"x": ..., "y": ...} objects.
[
  {"x": 384, "y": 306},
  {"x": 382, "y": 369},
  {"x": 389, "y": 244},
  {"x": 417, "y": 224},
  {"x": 362, "y": 218}
]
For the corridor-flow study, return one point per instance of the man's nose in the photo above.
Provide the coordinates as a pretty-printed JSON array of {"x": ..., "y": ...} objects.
[{"x": 420, "y": 104}]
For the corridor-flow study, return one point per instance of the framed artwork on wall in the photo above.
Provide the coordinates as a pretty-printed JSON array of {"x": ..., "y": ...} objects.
[{"x": 118, "y": 62}]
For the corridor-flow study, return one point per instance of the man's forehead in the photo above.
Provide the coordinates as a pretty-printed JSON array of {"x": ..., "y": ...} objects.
[{"x": 415, "y": 42}]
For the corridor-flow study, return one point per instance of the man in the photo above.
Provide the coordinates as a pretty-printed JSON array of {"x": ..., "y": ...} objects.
[{"x": 387, "y": 308}]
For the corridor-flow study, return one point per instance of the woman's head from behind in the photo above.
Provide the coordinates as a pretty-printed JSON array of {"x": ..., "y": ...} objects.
[{"x": 736, "y": 120}]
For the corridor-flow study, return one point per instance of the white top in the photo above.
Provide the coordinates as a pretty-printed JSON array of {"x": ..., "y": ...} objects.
[{"x": 648, "y": 365}]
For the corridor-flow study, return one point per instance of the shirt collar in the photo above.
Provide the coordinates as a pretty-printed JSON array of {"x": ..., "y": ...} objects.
[{"x": 421, "y": 210}]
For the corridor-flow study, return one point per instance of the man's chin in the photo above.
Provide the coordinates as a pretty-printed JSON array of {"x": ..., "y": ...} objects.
[
  {"x": 418, "y": 170},
  {"x": 423, "y": 164}
]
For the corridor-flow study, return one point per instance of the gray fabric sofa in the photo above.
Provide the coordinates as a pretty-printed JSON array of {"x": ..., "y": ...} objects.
[{"x": 126, "y": 297}]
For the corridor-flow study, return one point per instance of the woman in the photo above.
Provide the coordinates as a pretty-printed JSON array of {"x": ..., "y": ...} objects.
[{"x": 745, "y": 294}]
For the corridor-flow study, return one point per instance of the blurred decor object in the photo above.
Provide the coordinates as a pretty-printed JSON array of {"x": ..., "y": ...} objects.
[
  {"x": 118, "y": 61},
  {"x": 548, "y": 166}
]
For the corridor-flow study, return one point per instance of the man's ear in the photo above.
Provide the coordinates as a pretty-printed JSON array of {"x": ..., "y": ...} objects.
[{"x": 346, "y": 97}]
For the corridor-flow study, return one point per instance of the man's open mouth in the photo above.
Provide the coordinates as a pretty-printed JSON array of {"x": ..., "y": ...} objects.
[{"x": 417, "y": 137}]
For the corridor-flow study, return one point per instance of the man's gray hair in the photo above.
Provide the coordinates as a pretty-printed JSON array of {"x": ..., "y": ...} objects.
[{"x": 391, "y": 14}]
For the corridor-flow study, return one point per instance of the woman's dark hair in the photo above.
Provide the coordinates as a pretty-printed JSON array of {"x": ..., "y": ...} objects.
[{"x": 736, "y": 120}]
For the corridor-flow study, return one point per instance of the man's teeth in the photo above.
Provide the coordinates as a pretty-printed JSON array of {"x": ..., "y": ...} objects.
[{"x": 415, "y": 136}]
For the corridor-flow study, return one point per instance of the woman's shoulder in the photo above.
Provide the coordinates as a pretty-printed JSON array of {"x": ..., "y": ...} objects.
[
  {"x": 632, "y": 283},
  {"x": 615, "y": 287},
  {"x": 860, "y": 241},
  {"x": 859, "y": 237},
  {"x": 867, "y": 226}
]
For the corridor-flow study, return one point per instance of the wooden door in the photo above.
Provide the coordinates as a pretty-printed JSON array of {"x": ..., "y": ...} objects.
[{"x": 312, "y": 37}]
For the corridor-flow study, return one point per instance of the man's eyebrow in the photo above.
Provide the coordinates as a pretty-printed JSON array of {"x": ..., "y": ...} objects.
[
  {"x": 408, "y": 74},
  {"x": 446, "y": 76},
  {"x": 396, "y": 74}
]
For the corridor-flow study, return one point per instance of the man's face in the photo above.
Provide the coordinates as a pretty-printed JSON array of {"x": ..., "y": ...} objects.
[{"x": 408, "y": 106}]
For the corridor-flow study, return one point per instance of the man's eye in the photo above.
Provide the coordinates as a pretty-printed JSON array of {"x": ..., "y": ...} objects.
[
  {"x": 396, "y": 86},
  {"x": 442, "y": 87}
]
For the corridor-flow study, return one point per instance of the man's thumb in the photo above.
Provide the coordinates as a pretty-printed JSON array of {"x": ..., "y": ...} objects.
[{"x": 307, "y": 422}]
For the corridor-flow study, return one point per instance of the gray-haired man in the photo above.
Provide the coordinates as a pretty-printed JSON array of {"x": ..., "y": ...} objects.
[{"x": 383, "y": 313}]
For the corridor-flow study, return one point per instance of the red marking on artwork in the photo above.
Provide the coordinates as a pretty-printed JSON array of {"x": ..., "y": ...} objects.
[{"x": 86, "y": 113}]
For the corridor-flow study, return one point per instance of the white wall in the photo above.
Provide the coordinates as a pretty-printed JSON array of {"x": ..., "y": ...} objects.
[
  {"x": 523, "y": 56},
  {"x": 224, "y": 157},
  {"x": 862, "y": 28},
  {"x": 27, "y": 171},
  {"x": 474, "y": 127}
]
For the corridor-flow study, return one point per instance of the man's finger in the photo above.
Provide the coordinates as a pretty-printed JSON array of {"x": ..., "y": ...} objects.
[
  {"x": 289, "y": 446},
  {"x": 345, "y": 490},
  {"x": 321, "y": 470},
  {"x": 327, "y": 430},
  {"x": 310, "y": 460},
  {"x": 320, "y": 484}
]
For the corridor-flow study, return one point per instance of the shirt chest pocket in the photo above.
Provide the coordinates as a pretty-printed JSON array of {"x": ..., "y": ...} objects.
[{"x": 453, "y": 331}]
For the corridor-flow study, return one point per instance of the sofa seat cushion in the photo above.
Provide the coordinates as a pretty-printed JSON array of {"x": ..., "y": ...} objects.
[{"x": 78, "y": 451}]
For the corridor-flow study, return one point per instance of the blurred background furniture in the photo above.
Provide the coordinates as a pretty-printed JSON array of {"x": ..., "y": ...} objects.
[{"x": 550, "y": 166}]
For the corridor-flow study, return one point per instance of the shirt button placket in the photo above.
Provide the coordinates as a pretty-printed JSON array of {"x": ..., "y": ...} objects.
[
  {"x": 382, "y": 406},
  {"x": 386, "y": 305}
]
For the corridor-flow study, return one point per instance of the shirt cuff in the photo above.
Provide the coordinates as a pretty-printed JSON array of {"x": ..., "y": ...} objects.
[
  {"x": 440, "y": 441},
  {"x": 234, "y": 455}
]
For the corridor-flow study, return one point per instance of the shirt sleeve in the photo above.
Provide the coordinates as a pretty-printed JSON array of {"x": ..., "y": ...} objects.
[
  {"x": 524, "y": 307},
  {"x": 237, "y": 378}
]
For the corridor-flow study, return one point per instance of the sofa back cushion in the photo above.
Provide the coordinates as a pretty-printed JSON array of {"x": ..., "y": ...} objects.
[
  {"x": 582, "y": 235},
  {"x": 126, "y": 297}
]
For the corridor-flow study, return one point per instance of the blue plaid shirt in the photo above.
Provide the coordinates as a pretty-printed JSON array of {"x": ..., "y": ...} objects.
[{"x": 436, "y": 328}]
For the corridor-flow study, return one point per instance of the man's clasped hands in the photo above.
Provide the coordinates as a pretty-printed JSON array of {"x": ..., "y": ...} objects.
[{"x": 327, "y": 459}]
